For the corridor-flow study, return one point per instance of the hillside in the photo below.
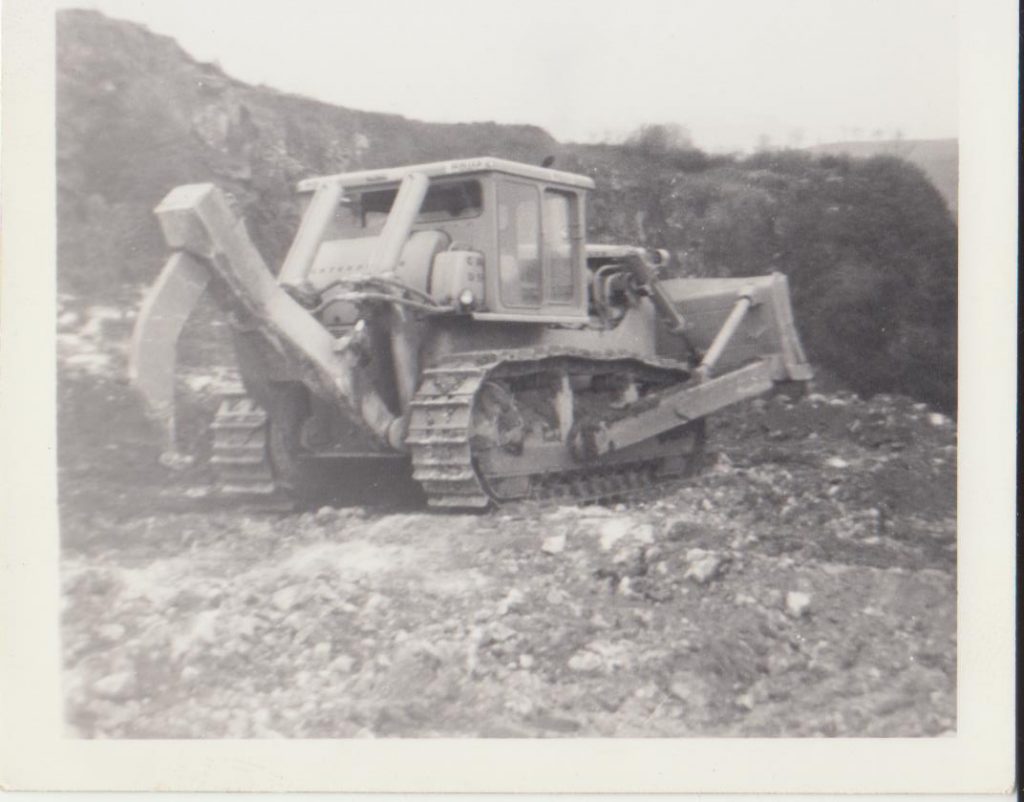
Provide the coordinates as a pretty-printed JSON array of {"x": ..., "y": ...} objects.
[
  {"x": 868, "y": 244},
  {"x": 939, "y": 158},
  {"x": 137, "y": 116}
]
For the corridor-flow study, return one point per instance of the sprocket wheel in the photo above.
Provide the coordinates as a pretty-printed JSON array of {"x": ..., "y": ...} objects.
[{"x": 497, "y": 421}]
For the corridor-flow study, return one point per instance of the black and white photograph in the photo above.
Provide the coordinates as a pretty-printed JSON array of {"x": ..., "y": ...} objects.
[{"x": 536, "y": 371}]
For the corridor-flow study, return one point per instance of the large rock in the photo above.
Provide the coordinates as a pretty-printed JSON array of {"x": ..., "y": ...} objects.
[
  {"x": 555, "y": 544},
  {"x": 118, "y": 686},
  {"x": 586, "y": 662},
  {"x": 704, "y": 566},
  {"x": 287, "y": 598},
  {"x": 798, "y": 604}
]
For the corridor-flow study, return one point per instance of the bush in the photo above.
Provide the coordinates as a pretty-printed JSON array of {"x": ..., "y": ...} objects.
[
  {"x": 660, "y": 139},
  {"x": 868, "y": 245}
]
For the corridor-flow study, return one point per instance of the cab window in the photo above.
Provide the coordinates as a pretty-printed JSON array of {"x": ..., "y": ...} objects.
[
  {"x": 455, "y": 200},
  {"x": 519, "y": 264},
  {"x": 559, "y": 256}
]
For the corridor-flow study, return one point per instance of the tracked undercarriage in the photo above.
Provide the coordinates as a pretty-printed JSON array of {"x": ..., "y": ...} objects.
[
  {"x": 495, "y": 427},
  {"x": 505, "y": 426}
]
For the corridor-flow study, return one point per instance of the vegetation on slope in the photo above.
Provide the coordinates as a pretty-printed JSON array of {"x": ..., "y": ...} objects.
[
  {"x": 869, "y": 245},
  {"x": 939, "y": 158}
]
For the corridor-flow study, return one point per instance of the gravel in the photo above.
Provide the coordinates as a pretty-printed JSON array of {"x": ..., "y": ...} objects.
[{"x": 804, "y": 584}]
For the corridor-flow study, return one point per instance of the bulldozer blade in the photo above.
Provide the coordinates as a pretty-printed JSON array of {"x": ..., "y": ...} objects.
[
  {"x": 764, "y": 329},
  {"x": 153, "y": 357}
]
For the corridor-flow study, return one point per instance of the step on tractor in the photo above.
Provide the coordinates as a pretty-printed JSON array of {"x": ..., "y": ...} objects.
[{"x": 451, "y": 317}]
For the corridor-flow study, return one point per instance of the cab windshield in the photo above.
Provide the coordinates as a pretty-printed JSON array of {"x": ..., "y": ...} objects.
[{"x": 454, "y": 200}]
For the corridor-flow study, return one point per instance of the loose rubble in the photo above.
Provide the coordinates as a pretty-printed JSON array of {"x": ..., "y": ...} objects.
[
  {"x": 554, "y": 544},
  {"x": 802, "y": 585},
  {"x": 797, "y": 604},
  {"x": 703, "y": 566}
]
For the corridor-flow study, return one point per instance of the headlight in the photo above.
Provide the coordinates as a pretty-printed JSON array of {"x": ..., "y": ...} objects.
[{"x": 466, "y": 299}]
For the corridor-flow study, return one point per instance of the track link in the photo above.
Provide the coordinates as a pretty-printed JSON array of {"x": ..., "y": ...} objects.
[
  {"x": 440, "y": 435},
  {"x": 241, "y": 459}
]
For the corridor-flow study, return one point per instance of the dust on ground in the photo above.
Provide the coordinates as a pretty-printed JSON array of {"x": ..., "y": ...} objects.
[{"x": 802, "y": 585}]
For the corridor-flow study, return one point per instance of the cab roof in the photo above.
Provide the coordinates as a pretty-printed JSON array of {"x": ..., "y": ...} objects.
[{"x": 483, "y": 164}]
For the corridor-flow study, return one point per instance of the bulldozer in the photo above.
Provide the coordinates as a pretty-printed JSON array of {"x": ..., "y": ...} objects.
[{"x": 451, "y": 318}]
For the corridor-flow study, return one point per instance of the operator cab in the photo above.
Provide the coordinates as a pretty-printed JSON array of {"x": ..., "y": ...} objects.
[{"x": 523, "y": 225}]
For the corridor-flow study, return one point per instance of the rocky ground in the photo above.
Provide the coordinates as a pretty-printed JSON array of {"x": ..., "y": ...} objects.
[{"x": 803, "y": 585}]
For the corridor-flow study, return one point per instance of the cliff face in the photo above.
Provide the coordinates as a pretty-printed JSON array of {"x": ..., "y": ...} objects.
[
  {"x": 869, "y": 245},
  {"x": 137, "y": 116}
]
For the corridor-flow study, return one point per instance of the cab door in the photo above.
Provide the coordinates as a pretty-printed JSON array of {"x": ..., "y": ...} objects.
[
  {"x": 539, "y": 250},
  {"x": 562, "y": 245}
]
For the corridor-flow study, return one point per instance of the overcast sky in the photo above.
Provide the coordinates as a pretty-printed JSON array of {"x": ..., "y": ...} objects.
[{"x": 732, "y": 71}]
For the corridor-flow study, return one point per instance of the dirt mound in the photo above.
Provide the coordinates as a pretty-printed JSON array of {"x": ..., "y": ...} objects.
[{"x": 804, "y": 584}]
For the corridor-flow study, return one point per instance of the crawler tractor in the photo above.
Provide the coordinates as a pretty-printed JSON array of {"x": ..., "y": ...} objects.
[{"x": 452, "y": 318}]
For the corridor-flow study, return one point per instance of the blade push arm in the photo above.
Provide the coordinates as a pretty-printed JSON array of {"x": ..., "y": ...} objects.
[{"x": 646, "y": 276}]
